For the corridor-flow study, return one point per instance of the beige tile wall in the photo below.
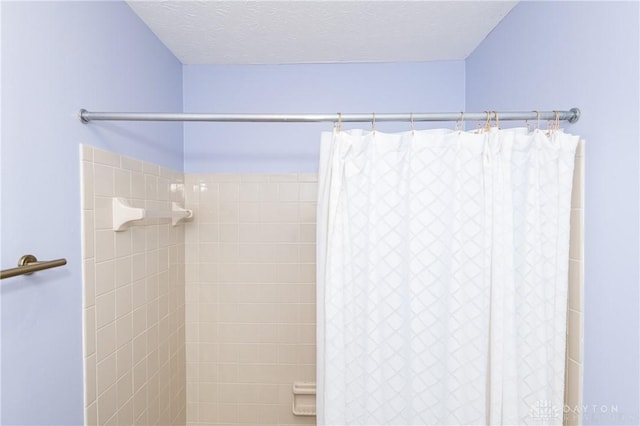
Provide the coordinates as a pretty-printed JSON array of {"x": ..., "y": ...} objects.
[
  {"x": 573, "y": 375},
  {"x": 250, "y": 314},
  {"x": 133, "y": 290}
]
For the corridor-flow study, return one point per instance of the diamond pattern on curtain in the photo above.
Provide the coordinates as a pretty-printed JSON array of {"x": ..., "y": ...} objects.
[{"x": 442, "y": 275}]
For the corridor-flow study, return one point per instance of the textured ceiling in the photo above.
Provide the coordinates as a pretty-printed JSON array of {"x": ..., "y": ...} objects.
[{"x": 281, "y": 32}]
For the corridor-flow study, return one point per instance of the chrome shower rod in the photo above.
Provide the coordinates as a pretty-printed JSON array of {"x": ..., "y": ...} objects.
[{"x": 571, "y": 116}]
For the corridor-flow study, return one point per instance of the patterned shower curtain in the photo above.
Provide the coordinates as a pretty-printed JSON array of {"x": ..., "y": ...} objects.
[{"x": 442, "y": 277}]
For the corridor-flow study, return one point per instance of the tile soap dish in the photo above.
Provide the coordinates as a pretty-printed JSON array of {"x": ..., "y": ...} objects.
[
  {"x": 124, "y": 214},
  {"x": 304, "y": 399}
]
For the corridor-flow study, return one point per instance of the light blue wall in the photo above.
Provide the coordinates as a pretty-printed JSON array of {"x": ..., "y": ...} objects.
[
  {"x": 319, "y": 88},
  {"x": 58, "y": 57},
  {"x": 551, "y": 55}
]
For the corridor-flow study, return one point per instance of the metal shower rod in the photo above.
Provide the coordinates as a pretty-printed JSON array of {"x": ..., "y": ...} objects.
[{"x": 571, "y": 116}]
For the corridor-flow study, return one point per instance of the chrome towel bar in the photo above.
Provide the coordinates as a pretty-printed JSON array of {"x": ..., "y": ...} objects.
[{"x": 28, "y": 264}]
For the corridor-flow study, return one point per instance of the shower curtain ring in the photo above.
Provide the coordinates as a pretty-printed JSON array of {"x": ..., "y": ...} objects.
[
  {"x": 413, "y": 130},
  {"x": 339, "y": 127},
  {"x": 373, "y": 123},
  {"x": 460, "y": 122}
]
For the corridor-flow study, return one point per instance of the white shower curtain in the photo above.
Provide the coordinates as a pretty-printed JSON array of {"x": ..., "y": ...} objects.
[{"x": 442, "y": 277}]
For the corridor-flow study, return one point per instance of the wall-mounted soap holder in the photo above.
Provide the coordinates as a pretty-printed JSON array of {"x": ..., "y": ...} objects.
[
  {"x": 123, "y": 214},
  {"x": 304, "y": 399}
]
